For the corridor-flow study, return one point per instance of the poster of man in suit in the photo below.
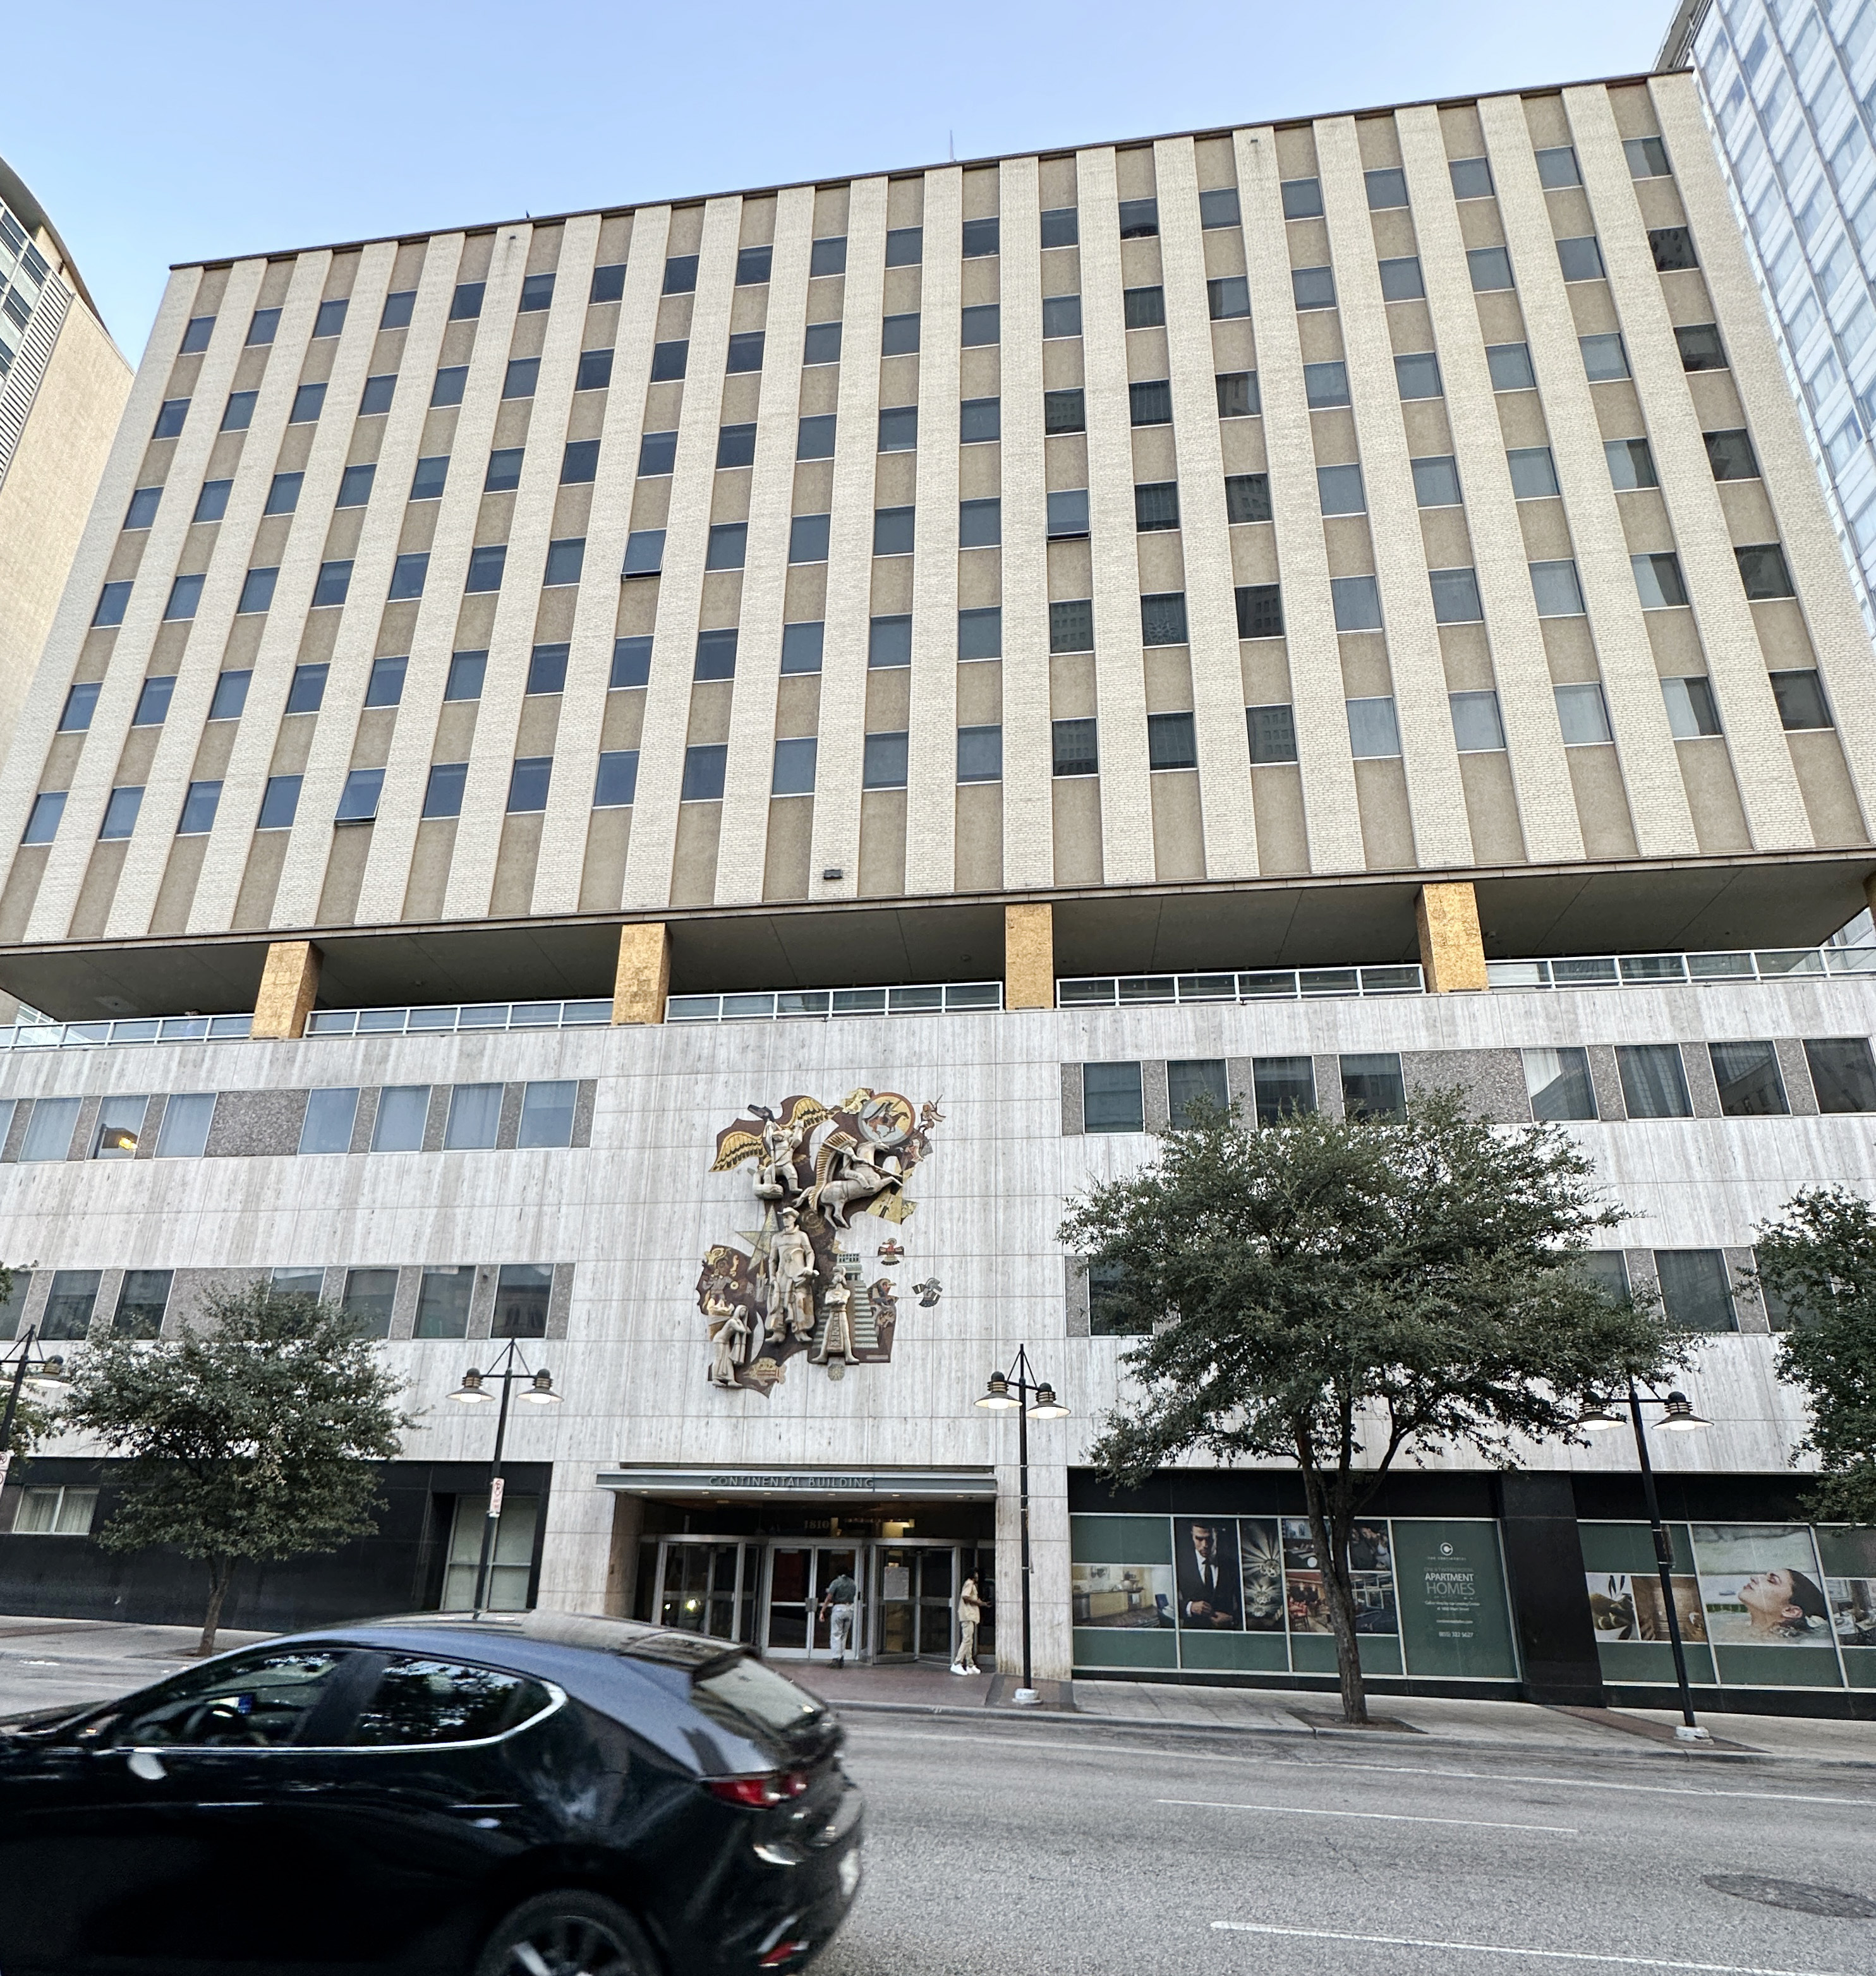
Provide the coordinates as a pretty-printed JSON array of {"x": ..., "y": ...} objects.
[{"x": 1211, "y": 1598}]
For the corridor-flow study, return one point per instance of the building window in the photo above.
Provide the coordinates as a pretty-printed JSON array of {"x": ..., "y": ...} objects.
[
  {"x": 153, "y": 700},
  {"x": 485, "y": 567},
  {"x": 1555, "y": 586},
  {"x": 1247, "y": 497},
  {"x": 1557, "y": 1083},
  {"x": 669, "y": 361},
  {"x": 716, "y": 655},
  {"x": 1312, "y": 287},
  {"x": 821, "y": 344},
  {"x": 1237, "y": 394},
  {"x": 185, "y": 597},
  {"x": 1272, "y": 732},
  {"x": 1730, "y": 455},
  {"x": 1510, "y": 366},
  {"x": 898, "y": 428},
  {"x": 1556, "y": 168},
  {"x": 398, "y": 305},
  {"x": 1068, "y": 513},
  {"x": 1061, "y": 226},
  {"x": 904, "y": 246},
  {"x": 1386, "y": 189},
  {"x": 1111, "y": 1100},
  {"x": 119, "y": 1126},
  {"x": 59, "y": 1512},
  {"x": 1260, "y": 610},
  {"x": 1658, "y": 581},
  {"x": 803, "y": 644},
  {"x": 657, "y": 454},
  {"x": 616, "y": 784},
  {"x": 1691, "y": 713},
  {"x": 142, "y": 1302},
  {"x": 1654, "y": 1084},
  {"x": 1140, "y": 218},
  {"x": 680, "y": 275},
  {"x": 1750, "y": 1085},
  {"x": 1581, "y": 258},
  {"x": 579, "y": 463},
  {"x": 1673, "y": 249},
  {"x": 522, "y": 1292},
  {"x": 307, "y": 694},
  {"x": 979, "y": 523},
  {"x": 333, "y": 583},
  {"x": 1340, "y": 491},
  {"x": 447, "y": 387},
  {"x": 1842, "y": 1074},
  {"x": 280, "y": 803},
  {"x": 443, "y": 793},
  {"x": 745, "y": 352},
  {"x": 885, "y": 764},
  {"x": 1172, "y": 741},
  {"x": 369, "y": 1298},
  {"x": 199, "y": 807},
  {"x": 1700, "y": 347},
  {"x": 48, "y": 807},
  {"x": 1762, "y": 570},
  {"x": 828, "y": 255},
  {"x": 1631, "y": 464},
  {"x": 1356, "y": 601},
  {"x": 547, "y": 1113},
  {"x": 890, "y": 641},
  {"x": 504, "y": 471},
  {"x": 1400, "y": 280},
  {"x": 1325, "y": 385},
  {"x": 443, "y": 1300},
  {"x": 1800, "y": 702},
  {"x": 1477, "y": 728},
  {"x": 1150, "y": 404},
  {"x": 184, "y": 1132},
  {"x": 1302, "y": 198},
  {"x": 81, "y": 704},
  {"x": 1071, "y": 625},
  {"x": 1156, "y": 506},
  {"x": 1143, "y": 308},
  {"x": 528, "y": 783},
  {"x": 564, "y": 558},
  {"x": 594, "y": 372},
  {"x": 1282, "y": 1087},
  {"x": 980, "y": 420},
  {"x": 196, "y": 334},
  {"x": 793, "y": 771},
  {"x": 981, "y": 323},
  {"x": 1582, "y": 715},
  {"x": 1196, "y": 1083},
  {"x": 142, "y": 512},
  {"x": 645, "y": 552},
  {"x": 358, "y": 802},
  {"x": 979, "y": 754},
  {"x": 1418, "y": 376},
  {"x": 631, "y": 662},
  {"x": 354, "y": 487},
  {"x": 466, "y": 303},
  {"x": 1074, "y": 747},
  {"x": 1163, "y": 618},
  {"x": 1372, "y": 1087},
  {"x": 1605, "y": 358},
  {"x": 735, "y": 446},
  {"x": 1471, "y": 178},
  {"x": 283, "y": 496},
  {"x": 113, "y": 601},
  {"x": 238, "y": 414},
  {"x": 1061, "y": 316},
  {"x": 979, "y": 633},
  {"x": 68, "y": 1315},
  {"x": 703, "y": 773},
  {"x": 1108, "y": 1316},
  {"x": 330, "y": 1114},
  {"x": 1374, "y": 734},
  {"x": 807, "y": 538},
  {"x": 120, "y": 813},
  {"x": 170, "y": 416},
  {"x": 475, "y": 1117},
  {"x": 898, "y": 336},
  {"x": 1218, "y": 207},
  {"x": 537, "y": 294},
  {"x": 385, "y": 686},
  {"x": 814, "y": 438},
  {"x": 1695, "y": 1294},
  {"x": 49, "y": 1130}
]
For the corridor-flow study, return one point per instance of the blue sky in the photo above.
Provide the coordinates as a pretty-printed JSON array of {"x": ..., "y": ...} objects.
[{"x": 199, "y": 130}]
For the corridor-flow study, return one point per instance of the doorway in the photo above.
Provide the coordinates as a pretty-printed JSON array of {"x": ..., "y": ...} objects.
[
  {"x": 511, "y": 1567},
  {"x": 794, "y": 1627},
  {"x": 915, "y": 1585}
]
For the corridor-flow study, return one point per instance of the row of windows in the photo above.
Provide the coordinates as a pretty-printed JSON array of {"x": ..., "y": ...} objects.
[
  {"x": 522, "y": 1292},
  {"x": 1557, "y": 1083},
  {"x": 472, "y": 1115}
]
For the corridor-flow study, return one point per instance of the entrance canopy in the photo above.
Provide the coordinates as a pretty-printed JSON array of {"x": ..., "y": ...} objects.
[{"x": 693, "y": 1480}]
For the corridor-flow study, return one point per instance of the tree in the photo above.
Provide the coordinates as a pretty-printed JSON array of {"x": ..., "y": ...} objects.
[
  {"x": 25, "y": 1419},
  {"x": 1342, "y": 1293},
  {"x": 1819, "y": 1262},
  {"x": 250, "y": 1437}
]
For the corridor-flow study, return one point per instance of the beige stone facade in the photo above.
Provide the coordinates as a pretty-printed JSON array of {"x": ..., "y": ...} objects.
[{"x": 1206, "y": 539}]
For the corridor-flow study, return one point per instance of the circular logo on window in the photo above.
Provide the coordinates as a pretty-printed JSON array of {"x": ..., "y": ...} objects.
[{"x": 1446, "y": 1550}]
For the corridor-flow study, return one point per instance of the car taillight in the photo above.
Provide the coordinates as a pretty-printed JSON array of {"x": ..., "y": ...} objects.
[{"x": 770, "y": 1787}]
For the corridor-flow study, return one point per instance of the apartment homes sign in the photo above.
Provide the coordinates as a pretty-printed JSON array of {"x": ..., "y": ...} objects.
[{"x": 800, "y": 1286}]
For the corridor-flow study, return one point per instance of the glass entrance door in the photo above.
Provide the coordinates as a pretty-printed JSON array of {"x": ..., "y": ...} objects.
[
  {"x": 708, "y": 1588},
  {"x": 799, "y": 1577},
  {"x": 916, "y": 1586}
]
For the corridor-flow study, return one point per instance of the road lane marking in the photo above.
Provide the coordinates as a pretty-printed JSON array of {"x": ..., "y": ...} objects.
[
  {"x": 1388, "y": 1817},
  {"x": 1330, "y": 1765},
  {"x": 1505, "y": 1948}
]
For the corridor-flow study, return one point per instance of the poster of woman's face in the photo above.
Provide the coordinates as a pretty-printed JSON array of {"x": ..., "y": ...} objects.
[
  {"x": 1761, "y": 1586},
  {"x": 1260, "y": 1559}
]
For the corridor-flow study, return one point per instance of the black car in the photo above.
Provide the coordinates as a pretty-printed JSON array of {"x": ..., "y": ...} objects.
[{"x": 543, "y": 1796}]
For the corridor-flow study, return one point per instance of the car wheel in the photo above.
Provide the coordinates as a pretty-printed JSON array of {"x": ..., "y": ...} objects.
[{"x": 572, "y": 1933}]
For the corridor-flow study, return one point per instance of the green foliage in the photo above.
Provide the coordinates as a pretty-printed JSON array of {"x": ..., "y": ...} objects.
[
  {"x": 1819, "y": 1261},
  {"x": 33, "y": 1421},
  {"x": 250, "y": 1437},
  {"x": 1341, "y": 1293}
]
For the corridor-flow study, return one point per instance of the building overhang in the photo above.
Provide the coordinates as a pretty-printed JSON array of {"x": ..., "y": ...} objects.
[
  {"x": 1635, "y": 905},
  {"x": 730, "y": 1483}
]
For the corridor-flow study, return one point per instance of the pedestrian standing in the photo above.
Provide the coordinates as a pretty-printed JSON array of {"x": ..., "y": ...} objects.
[
  {"x": 969, "y": 1612},
  {"x": 843, "y": 1597}
]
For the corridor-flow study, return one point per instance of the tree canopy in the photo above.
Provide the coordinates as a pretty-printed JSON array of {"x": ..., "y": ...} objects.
[
  {"x": 1819, "y": 1262},
  {"x": 251, "y": 1436},
  {"x": 1341, "y": 1293}
]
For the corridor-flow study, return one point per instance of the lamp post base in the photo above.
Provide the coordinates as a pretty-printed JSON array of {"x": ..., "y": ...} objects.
[
  {"x": 1689, "y": 1732},
  {"x": 1026, "y": 1697}
]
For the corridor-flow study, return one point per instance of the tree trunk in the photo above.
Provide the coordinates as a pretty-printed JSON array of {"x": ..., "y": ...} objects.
[
  {"x": 1331, "y": 1524},
  {"x": 221, "y": 1574}
]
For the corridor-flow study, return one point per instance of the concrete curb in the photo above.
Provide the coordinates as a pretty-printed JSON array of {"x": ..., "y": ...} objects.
[{"x": 1639, "y": 1750}]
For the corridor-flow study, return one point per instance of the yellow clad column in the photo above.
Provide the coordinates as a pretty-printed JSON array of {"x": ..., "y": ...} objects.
[
  {"x": 289, "y": 987},
  {"x": 1452, "y": 953},
  {"x": 1029, "y": 956},
  {"x": 643, "y": 977}
]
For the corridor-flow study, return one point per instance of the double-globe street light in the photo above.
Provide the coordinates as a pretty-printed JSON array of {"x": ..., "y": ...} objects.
[
  {"x": 1015, "y": 1389},
  {"x": 1678, "y": 1417},
  {"x": 538, "y": 1389}
]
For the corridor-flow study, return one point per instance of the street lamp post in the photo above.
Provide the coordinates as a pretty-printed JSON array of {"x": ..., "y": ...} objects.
[
  {"x": 474, "y": 1392},
  {"x": 1678, "y": 1418},
  {"x": 52, "y": 1372},
  {"x": 1003, "y": 1392}
]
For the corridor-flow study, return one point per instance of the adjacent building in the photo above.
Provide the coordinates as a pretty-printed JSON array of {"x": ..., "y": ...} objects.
[
  {"x": 62, "y": 390},
  {"x": 662, "y": 786}
]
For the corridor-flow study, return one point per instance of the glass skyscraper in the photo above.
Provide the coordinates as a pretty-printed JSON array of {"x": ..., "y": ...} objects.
[{"x": 1789, "y": 88}]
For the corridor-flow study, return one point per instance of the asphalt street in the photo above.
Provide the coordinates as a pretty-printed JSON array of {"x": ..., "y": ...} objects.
[{"x": 1060, "y": 1849}]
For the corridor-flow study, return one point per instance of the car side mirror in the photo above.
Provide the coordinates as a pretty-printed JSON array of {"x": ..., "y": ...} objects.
[{"x": 146, "y": 1764}]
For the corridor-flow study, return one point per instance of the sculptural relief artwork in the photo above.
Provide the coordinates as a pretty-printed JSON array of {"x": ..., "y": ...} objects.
[{"x": 799, "y": 1286}]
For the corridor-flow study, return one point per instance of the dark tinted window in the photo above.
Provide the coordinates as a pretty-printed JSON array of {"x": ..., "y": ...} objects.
[
  {"x": 1110, "y": 1097},
  {"x": 1372, "y": 1087},
  {"x": 263, "y": 1699},
  {"x": 1283, "y": 1085},
  {"x": 1201, "y": 1083},
  {"x": 1842, "y": 1073},
  {"x": 438, "y": 1701},
  {"x": 1747, "y": 1074}
]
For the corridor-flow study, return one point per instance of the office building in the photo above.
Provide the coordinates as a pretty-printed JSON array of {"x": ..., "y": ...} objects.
[{"x": 717, "y": 761}]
